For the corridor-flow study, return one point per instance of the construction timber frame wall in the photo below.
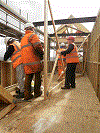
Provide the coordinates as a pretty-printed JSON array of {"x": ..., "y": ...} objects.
[
  {"x": 93, "y": 56},
  {"x": 7, "y": 74}
]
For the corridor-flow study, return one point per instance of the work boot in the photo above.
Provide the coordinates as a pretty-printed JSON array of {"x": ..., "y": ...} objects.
[
  {"x": 18, "y": 91},
  {"x": 20, "y": 95},
  {"x": 38, "y": 94},
  {"x": 28, "y": 95},
  {"x": 32, "y": 89},
  {"x": 73, "y": 85},
  {"x": 65, "y": 87}
]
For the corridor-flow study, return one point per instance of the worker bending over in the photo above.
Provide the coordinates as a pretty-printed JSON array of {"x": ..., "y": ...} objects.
[
  {"x": 32, "y": 55},
  {"x": 72, "y": 59},
  {"x": 60, "y": 57},
  {"x": 13, "y": 52}
]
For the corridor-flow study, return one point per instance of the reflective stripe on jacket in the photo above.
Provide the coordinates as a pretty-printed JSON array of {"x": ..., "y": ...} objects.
[
  {"x": 31, "y": 62},
  {"x": 72, "y": 57},
  {"x": 16, "y": 56}
]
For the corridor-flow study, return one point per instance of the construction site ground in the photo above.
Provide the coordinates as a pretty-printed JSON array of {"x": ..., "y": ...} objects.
[{"x": 66, "y": 111}]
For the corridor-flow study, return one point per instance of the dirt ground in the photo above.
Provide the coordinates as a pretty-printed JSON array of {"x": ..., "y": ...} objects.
[{"x": 66, "y": 111}]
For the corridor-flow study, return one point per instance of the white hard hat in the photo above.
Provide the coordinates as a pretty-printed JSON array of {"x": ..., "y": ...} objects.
[
  {"x": 7, "y": 39},
  {"x": 28, "y": 25},
  {"x": 62, "y": 44}
]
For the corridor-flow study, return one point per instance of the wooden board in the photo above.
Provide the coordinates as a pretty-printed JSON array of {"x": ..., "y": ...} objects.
[
  {"x": 6, "y": 110},
  {"x": 8, "y": 74},
  {"x": 6, "y": 97},
  {"x": 77, "y": 39},
  {"x": 93, "y": 59}
]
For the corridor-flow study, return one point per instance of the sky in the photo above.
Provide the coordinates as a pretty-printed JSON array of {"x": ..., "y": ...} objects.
[{"x": 60, "y": 9}]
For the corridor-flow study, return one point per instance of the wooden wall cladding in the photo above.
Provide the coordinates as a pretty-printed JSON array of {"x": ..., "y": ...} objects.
[
  {"x": 79, "y": 67},
  {"x": 8, "y": 74},
  {"x": 93, "y": 56}
]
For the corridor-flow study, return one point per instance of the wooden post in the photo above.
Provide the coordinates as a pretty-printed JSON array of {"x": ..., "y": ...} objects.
[
  {"x": 58, "y": 46},
  {"x": 85, "y": 60},
  {"x": 53, "y": 71},
  {"x": 55, "y": 31},
  {"x": 45, "y": 46},
  {"x": 20, "y": 21},
  {"x": 83, "y": 41}
]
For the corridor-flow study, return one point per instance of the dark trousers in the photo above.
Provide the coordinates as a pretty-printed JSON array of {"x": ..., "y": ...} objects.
[
  {"x": 70, "y": 74},
  {"x": 37, "y": 83}
]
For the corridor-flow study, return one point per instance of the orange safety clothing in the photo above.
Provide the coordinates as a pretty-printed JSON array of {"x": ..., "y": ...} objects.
[
  {"x": 16, "y": 56},
  {"x": 31, "y": 62},
  {"x": 60, "y": 65},
  {"x": 72, "y": 57}
]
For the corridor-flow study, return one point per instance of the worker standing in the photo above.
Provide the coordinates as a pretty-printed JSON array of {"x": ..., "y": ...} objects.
[
  {"x": 72, "y": 59},
  {"x": 60, "y": 65},
  {"x": 13, "y": 51},
  {"x": 32, "y": 55}
]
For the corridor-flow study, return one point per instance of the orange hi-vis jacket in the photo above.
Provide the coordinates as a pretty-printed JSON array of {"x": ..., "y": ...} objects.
[
  {"x": 60, "y": 66},
  {"x": 31, "y": 62},
  {"x": 72, "y": 57},
  {"x": 16, "y": 56},
  {"x": 59, "y": 57}
]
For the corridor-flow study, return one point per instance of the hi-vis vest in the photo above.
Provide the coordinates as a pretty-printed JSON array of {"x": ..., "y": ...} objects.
[
  {"x": 72, "y": 57},
  {"x": 31, "y": 62},
  {"x": 63, "y": 57},
  {"x": 60, "y": 65},
  {"x": 16, "y": 56}
]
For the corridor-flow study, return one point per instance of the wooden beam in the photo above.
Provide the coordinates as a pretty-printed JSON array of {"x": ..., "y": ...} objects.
[
  {"x": 68, "y": 21},
  {"x": 50, "y": 91},
  {"x": 79, "y": 26},
  {"x": 77, "y": 39},
  {"x": 5, "y": 95},
  {"x": 45, "y": 48},
  {"x": 53, "y": 71},
  {"x": 6, "y": 110}
]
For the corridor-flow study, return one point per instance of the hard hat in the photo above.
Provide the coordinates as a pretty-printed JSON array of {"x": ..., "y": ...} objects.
[
  {"x": 71, "y": 38},
  {"x": 62, "y": 44},
  {"x": 7, "y": 39},
  {"x": 28, "y": 25}
]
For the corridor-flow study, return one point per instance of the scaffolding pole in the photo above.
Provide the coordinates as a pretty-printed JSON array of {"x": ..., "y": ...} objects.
[{"x": 45, "y": 46}]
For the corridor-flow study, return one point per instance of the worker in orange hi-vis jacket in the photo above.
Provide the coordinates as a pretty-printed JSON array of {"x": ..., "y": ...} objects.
[
  {"x": 32, "y": 56},
  {"x": 72, "y": 59},
  {"x": 60, "y": 57},
  {"x": 13, "y": 52}
]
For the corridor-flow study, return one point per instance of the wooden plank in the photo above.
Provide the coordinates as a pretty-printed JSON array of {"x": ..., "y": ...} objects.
[
  {"x": 77, "y": 39},
  {"x": 55, "y": 31},
  {"x": 53, "y": 71},
  {"x": 3, "y": 74},
  {"x": 50, "y": 91},
  {"x": 6, "y": 110},
  {"x": 5, "y": 95},
  {"x": 45, "y": 48},
  {"x": 8, "y": 74}
]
